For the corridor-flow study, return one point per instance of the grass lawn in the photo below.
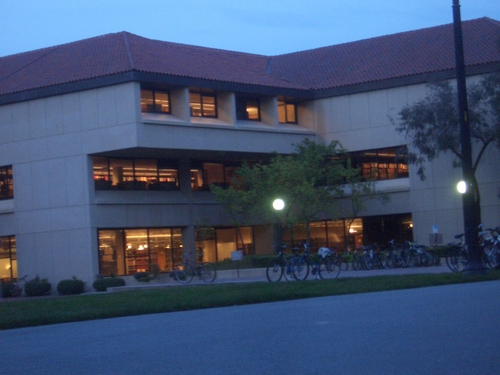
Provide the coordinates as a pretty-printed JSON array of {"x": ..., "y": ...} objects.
[{"x": 51, "y": 310}]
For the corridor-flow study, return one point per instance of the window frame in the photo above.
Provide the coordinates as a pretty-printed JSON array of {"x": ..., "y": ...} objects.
[
  {"x": 375, "y": 166},
  {"x": 155, "y": 104},
  {"x": 6, "y": 182},
  {"x": 134, "y": 180},
  {"x": 287, "y": 103},
  {"x": 242, "y": 105},
  {"x": 201, "y": 104}
]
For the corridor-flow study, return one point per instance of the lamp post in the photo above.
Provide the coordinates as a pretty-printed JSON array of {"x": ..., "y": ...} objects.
[
  {"x": 278, "y": 205},
  {"x": 471, "y": 219}
]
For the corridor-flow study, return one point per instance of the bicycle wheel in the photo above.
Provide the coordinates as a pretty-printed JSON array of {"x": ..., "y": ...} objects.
[
  {"x": 289, "y": 267},
  {"x": 208, "y": 272},
  {"x": 343, "y": 264},
  {"x": 274, "y": 270},
  {"x": 184, "y": 275},
  {"x": 301, "y": 269},
  {"x": 328, "y": 268},
  {"x": 456, "y": 258}
]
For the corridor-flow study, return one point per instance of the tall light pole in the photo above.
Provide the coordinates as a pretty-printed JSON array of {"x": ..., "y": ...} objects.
[{"x": 470, "y": 212}]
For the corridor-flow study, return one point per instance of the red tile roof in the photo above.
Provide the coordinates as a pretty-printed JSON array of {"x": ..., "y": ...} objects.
[{"x": 393, "y": 56}]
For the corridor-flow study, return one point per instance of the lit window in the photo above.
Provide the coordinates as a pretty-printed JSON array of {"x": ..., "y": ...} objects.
[
  {"x": 202, "y": 104},
  {"x": 247, "y": 109},
  {"x": 155, "y": 101},
  {"x": 287, "y": 112},
  {"x": 382, "y": 164}
]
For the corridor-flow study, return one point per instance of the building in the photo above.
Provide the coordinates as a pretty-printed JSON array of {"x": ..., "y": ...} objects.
[{"x": 107, "y": 145}]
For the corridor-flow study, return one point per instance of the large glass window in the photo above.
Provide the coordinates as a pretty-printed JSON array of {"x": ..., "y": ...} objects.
[
  {"x": 134, "y": 174},
  {"x": 8, "y": 258},
  {"x": 287, "y": 112},
  {"x": 202, "y": 104},
  {"x": 247, "y": 108},
  {"x": 127, "y": 251},
  {"x": 382, "y": 164},
  {"x": 219, "y": 174},
  {"x": 155, "y": 101},
  {"x": 216, "y": 244},
  {"x": 6, "y": 183}
]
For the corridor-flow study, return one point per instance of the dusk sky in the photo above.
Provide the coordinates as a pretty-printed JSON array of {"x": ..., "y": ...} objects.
[{"x": 267, "y": 27}]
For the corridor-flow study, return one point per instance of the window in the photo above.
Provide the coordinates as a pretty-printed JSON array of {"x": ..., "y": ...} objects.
[
  {"x": 287, "y": 112},
  {"x": 134, "y": 174},
  {"x": 202, "y": 104},
  {"x": 6, "y": 183},
  {"x": 8, "y": 258},
  {"x": 155, "y": 101},
  {"x": 382, "y": 164},
  {"x": 247, "y": 108},
  {"x": 219, "y": 174},
  {"x": 127, "y": 251}
]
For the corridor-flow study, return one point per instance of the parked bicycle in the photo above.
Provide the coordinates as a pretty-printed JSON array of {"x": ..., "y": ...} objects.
[
  {"x": 490, "y": 246},
  {"x": 275, "y": 268},
  {"x": 328, "y": 266},
  {"x": 373, "y": 257},
  {"x": 298, "y": 265},
  {"x": 185, "y": 272}
]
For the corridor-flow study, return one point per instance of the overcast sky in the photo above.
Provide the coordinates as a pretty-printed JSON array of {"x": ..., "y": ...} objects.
[{"x": 267, "y": 27}]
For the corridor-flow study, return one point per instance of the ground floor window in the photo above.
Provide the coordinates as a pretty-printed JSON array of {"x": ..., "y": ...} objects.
[
  {"x": 218, "y": 243},
  {"x": 349, "y": 234},
  {"x": 8, "y": 258},
  {"x": 127, "y": 251}
]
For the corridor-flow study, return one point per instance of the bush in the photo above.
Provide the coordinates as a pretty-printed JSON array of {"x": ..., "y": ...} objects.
[
  {"x": 102, "y": 283},
  {"x": 37, "y": 287},
  {"x": 72, "y": 286},
  {"x": 7, "y": 289},
  {"x": 142, "y": 276}
]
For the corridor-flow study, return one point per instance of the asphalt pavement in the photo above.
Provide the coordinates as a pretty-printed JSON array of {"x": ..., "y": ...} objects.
[{"x": 451, "y": 329}]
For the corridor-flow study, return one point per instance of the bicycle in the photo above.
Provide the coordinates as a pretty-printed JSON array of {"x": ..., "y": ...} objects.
[
  {"x": 14, "y": 289},
  {"x": 298, "y": 265},
  {"x": 276, "y": 266},
  {"x": 456, "y": 255},
  {"x": 329, "y": 266},
  {"x": 186, "y": 272},
  {"x": 490, "y": 246}
]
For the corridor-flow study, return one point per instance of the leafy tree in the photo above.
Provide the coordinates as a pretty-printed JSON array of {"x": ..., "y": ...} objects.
[
  {"x": 431, "y": 125},
  {"x": 308, "y": 180}
]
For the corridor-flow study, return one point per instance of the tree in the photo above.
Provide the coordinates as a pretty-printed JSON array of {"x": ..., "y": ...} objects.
[
  {"x": 308, "y": 180},
  {"x": 431, "y": 125}
]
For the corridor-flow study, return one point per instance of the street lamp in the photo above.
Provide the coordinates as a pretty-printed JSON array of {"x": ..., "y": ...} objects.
[
  {"x": 462, "y": 187},
  {"x": 278, "y": 204},
  {"x": 469, "y": 204}
]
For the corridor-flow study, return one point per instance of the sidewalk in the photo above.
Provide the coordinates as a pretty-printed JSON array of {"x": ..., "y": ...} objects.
[{"x": 259, "y": 275}]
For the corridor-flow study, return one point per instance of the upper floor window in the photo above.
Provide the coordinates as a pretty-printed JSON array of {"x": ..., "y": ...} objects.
[
  {"x": 6, "y": 183},
  {"x": 202, "y": 104},
  {"x": 155, "y": 101},
  {"x": 287, "y": 112},
  {"x": 134, "y": 174},
  {"x": 382, "y": 164},
  {"x": 205, "y": 174},
  {"x": 247, "y": 108}
]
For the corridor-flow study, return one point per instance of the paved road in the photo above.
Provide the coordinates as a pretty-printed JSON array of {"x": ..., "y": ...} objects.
[{"x": 438, "y": 330}]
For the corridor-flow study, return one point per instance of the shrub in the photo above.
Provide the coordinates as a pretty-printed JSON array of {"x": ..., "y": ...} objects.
[
  {"x": 7, "y": 289},
  {"x": 37, "y": 287},
  {"x": 142, "y": 276},
  {"x": 102, "y": 283},
  {"x": 72, "y": 286}
]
